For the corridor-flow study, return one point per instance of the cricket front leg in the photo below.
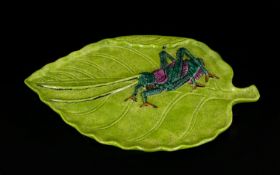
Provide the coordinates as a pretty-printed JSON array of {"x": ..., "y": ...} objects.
[
  {"x": 147, "y": 93},
  {"x": 212, "y": 75},
  {"x": 133, "y": 96},
  {"x": 196, "y": 84},
  {"x": 187, "y": 79}
]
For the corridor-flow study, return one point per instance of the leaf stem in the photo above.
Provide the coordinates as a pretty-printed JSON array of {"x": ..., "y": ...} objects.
[{"x": 243, "y": 95}]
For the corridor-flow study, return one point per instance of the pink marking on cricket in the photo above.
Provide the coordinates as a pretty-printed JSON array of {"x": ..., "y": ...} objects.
[
  {"x": 197, "y": 75},
  {"x": 160, "y": 76},
  {"x": 185, "y": 68}
]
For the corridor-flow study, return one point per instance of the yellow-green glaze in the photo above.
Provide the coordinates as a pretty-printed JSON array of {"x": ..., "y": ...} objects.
[{"x": 75, "y": 86}]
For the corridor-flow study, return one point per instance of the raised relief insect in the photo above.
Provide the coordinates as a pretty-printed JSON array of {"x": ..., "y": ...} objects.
[{"x": 172, "y": 75}]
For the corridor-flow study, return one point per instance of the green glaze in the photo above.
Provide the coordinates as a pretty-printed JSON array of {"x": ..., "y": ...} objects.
[{"x": 77, "y": 87}]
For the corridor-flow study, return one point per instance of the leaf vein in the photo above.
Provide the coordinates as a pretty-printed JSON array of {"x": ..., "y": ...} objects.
[
  {"x": 162, "y": 118},
  {"x": 190, "y": 129},
  {"x": 116, "y": 60},
  {"x": 150, "y": 60},
  {"x": 66, "y": 74},
  {"x": 96, "y": 66},
  {"x": 89, "y": 75},
  {"x": 193, "y": 119},
  {"x": 124, "y": 113},
  {"x": 93, "y": 109}
]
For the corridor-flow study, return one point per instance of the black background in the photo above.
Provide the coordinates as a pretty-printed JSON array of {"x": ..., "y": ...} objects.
[{"x": 34, "y": 139}]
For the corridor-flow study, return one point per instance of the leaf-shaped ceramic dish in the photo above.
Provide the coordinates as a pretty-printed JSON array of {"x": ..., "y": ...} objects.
[{"x": 88, "y": 87}]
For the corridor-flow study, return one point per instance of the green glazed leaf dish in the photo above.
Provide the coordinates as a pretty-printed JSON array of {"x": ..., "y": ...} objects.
[{"x": 88, "y": 88}]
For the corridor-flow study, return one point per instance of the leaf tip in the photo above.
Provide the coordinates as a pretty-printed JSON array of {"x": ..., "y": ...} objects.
[
  {"x": 26, "y": 82},
  {"x": 29, "y": 83}
]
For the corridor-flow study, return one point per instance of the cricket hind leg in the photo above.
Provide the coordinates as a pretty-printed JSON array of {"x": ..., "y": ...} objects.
[
  {"x": 150, "y": 92},
  {"x": 176, "y": 70},
  {"x": 164, "y": 56}
]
